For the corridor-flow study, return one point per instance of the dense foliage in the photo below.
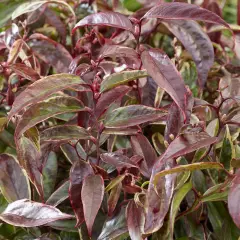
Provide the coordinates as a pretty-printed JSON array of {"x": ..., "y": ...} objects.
[{"x": 119, "y": 120}]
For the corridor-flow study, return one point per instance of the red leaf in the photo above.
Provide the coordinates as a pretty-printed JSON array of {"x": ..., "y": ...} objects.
[
  {"x": 185, "y": 11},
  {"x": 78, "y": 172},
  {"x": 25, "y": 213},
  {"x": 92, "y": 196},
  {"x": 112, "y": 19},
  {"x": 165, "y": 74},
  {"x": 135, "y": 220}
]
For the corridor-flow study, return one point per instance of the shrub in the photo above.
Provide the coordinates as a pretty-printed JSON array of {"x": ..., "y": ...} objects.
[{"x": 119, "y": 120}]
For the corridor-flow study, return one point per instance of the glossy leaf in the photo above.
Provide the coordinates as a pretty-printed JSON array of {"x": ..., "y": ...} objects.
[
  {"x": 41, "y": 89},
  {"x": 44, "y": 110},
  {"x": 112, "y": 19},
  {"x": 135, "y": 220},
  {"x": 92, "y": 196},
  {"x": 25, "y": 213},
  {"x": 79, "y": 171},
  {"x": 197, "y": 44},
  {"x": 59, "y": 195},
  {"x": 176, "y": 10},
  {"x": 164, "y": 73},
  {"x": 14, "y": 184},
  {"x": 120, "y": 78},
  {"x": 65, "y": 133},
  {"x": 132, "y": 115}
]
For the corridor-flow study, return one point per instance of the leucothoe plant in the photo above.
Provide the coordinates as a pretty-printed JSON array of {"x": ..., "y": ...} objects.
[{"x": 119, "y": 120}]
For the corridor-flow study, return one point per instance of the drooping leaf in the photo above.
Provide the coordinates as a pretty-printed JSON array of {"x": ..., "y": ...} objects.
[
  {"x": 197, "y": 44},
  {"x": 120, "y": 78},
  {"x": 14, "y": 184},
  {"x": 78, "y": 172},
  {"x": 135, "y": 220},
  {"x": 92, "y": 196},
  {"x": 132, "y": 115},
  {"x": 25, "y": 213},
  {"x": 59, "y": 195},
  {"x": 58, "y": 56},
  {"x": 41, "y": 89},
  {"x": 177, "y": 10},
  {"x": 165, "y": 74},
  {"x": 65, "y": 133},
  {"x": 112, "y": 19},
  {"x": 25, "y": 71},
  {"x": 113, "y": 198}
]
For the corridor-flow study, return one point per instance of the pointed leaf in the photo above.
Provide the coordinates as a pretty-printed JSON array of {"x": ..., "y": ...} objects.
[
  {"x": 78, "y": 172},
  {"x": 120, "y": 78},
  {"x": 135, "y": 220},
  {"x": 59, "y": 195},
  {"x": 114, "y": 182},
  {"x": 132, "y": 115},
  {"x": 14, "y": 184},
  {"x": 113, "y": 198},
  {"x": 41, "y": 89},
  {"x": 197, "y": 44},
  {"x": 65, "y": 133},
  {"x": 92, "y": 196},
  {"x": 165, "y": 74},
  {"x": 112, "y": 19},
  {"x": 176, "y": 10},
  {"x": 44, "y": 110},
  {"x": 25, "y": 213}
]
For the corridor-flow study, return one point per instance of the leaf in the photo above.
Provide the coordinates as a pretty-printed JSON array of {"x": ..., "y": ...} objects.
[
  {"x": 132, "y": 115},
  {"x": 176, "y": 201},
  {"x": 132, "y": 5},
  {"x": 188, "y": 167},
  {"x": 142, "y": 147},
  {"x": 14, "y": 51},
  {"x": 43, "y": 110},
  {"x": 25, "y": 213},
  {"x": 197, "y": 44},
  {"x": 65, "y": 133},
  {"x": 233, "y": 199},
  {"x": 50, "y": 171},
  {"x": 25, "y": 71},
  {"x": 114, "y": 226},
  {"x": 111, "y": 19},
  {"x": 121, "y": 131},
  {"x": 176, "y": 10},
  {"x": 120, "y": 78},
  {"x": 165, "y": 74},
  {"x": 79, "y": 171},
  {"x": 92, "y": 196},
  {"x": 109, "y": 97},
  {"x": 113, "y": 198},
  {"x": 28, "y": 157},
  {"x": 59, "y": 195},
  {"x": 114, "y": 182},
  {"x": 59, "y": 57},
  {"x": 135, "y": 220},
  {"x": 14, "y": 184},
  {"x": 41, "y": 89}
]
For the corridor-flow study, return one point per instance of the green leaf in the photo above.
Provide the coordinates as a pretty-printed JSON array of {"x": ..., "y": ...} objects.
[
  {"x": 114, "y": 182},
  {"x": 65, "y": 133},
  {"x": 44, "y": 110},
  {"x": 132, "y": 5},
  {"x": 132, "y": 115},
  {"x": 120, "y": 78}
]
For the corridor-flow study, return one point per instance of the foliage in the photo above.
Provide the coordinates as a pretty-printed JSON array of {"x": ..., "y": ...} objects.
[{"x": 119, "y": 120}]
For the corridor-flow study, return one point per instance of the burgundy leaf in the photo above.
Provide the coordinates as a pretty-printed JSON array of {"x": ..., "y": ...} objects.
[
  {"x": 13, "y": 183},
  {"x": 78, "y": 172},
  {"x": 25, "y": 71},
  {"x": 135, "y": 220},
  {"x": 197, "y": 44},
  {"x": 25, "y": 213},
  {"x": 110, "y": 97},
  {"x": 163, "y": 71},
  {"x": 112, "y": 19},
  {"x": 142, "y": 147},
  {"x": 92, "y": 196},
  {"x": 175, "y": 10},
  {"x": 233, "y": 199},
  {"x": 58, "y": 56}
]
